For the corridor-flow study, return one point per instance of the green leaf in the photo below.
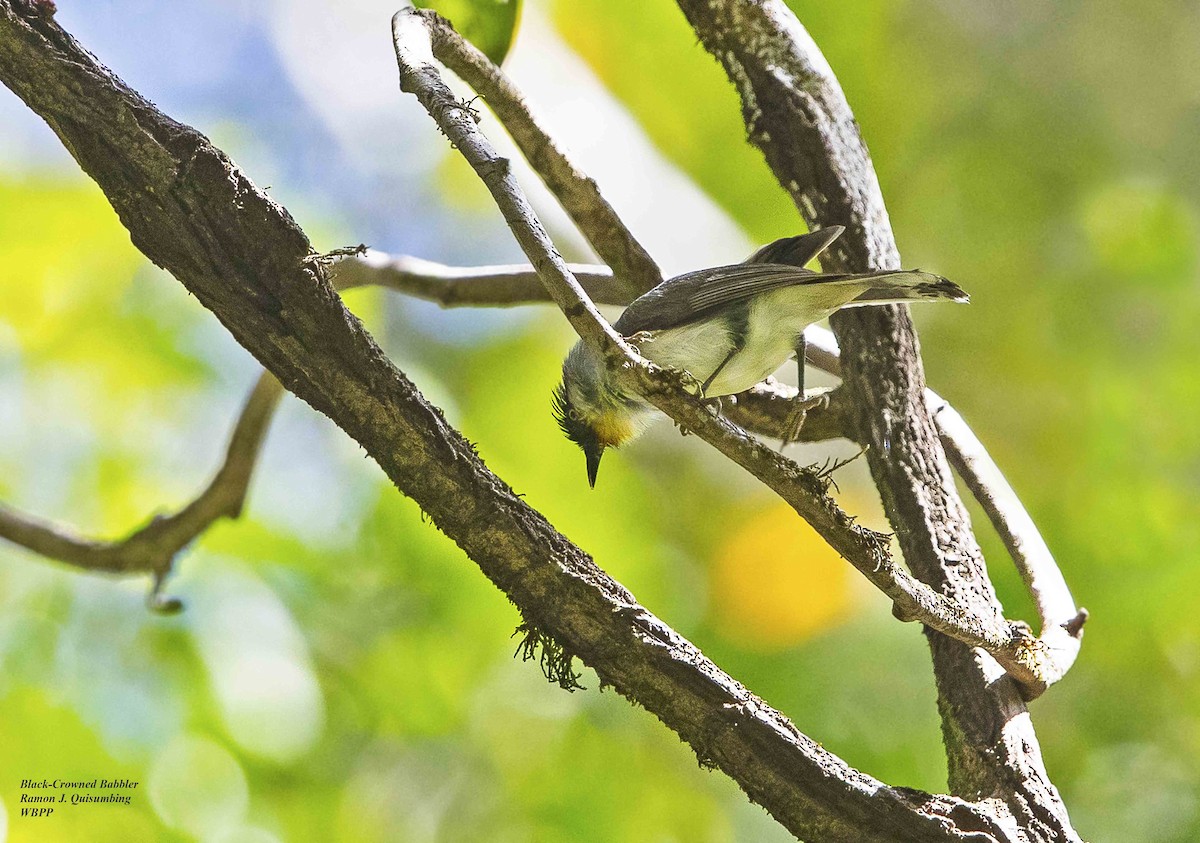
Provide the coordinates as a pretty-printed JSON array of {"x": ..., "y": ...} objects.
[{"x": 488, "y": 24}]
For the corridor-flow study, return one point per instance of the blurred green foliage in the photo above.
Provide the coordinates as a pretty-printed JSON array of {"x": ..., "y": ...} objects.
[{"x": 342, "y": 672}]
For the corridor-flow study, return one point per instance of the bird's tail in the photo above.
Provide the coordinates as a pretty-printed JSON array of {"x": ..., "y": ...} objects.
[{"x": 899, "y": 286}]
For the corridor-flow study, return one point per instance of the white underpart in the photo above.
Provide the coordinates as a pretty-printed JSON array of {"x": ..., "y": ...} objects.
[{"x": 776, "y": 320}]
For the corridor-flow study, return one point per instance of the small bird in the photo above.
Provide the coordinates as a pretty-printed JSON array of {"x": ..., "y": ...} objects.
[{"x": 728, "y": 327}]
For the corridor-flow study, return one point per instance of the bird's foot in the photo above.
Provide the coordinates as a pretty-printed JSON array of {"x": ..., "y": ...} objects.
[
  {"x": 640, "y": 337},
  {"x": 690, "y": 384},
  {"x": 800, "y": 411}
]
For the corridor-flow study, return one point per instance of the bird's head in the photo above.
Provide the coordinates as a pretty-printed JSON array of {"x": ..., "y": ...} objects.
[{"x": 590, "y": 413}]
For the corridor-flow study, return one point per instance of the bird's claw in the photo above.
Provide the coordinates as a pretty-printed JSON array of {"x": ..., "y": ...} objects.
[
  {"x": 798, "y": 415},
  {"x": 689, "y": 383}
]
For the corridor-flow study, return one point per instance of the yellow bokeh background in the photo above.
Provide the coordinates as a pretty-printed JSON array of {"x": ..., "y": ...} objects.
[{"x": 775, "y": 582}]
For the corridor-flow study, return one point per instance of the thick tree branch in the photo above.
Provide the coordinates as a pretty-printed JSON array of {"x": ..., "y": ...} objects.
[
  {"x": 192, "y": 212},
  {"x": 798, "y": 116},
  {"x": 152, "y": 549}
]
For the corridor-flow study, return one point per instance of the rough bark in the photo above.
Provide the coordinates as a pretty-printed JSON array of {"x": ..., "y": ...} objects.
[{"x": 798, "y": 116}]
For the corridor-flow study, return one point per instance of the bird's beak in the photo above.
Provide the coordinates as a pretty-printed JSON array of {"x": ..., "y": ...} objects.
[{"x": 593, "y": 463}]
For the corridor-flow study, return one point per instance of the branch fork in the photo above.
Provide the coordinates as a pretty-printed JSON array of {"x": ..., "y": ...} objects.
[{"x": 417, "y": 36}]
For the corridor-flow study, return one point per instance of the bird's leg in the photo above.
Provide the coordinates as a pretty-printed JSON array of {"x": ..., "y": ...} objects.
[
  {"x": 714, "y": 404},
  {"x": 704, "y": 386},
  {"x": 801, "y": 350},
  {"x": 795, "y": 420}
]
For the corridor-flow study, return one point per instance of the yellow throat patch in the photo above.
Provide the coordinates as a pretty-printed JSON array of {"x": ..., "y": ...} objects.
[{"x": 612, "y": 429}]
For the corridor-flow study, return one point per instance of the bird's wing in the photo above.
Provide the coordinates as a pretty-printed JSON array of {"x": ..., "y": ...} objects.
[
  {"x": 797, "y": 251},
  {"x": 687, "y": 297}
]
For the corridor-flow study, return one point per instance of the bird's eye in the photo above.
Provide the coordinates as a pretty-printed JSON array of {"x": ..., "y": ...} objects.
[{"x": 573, "y": 415}]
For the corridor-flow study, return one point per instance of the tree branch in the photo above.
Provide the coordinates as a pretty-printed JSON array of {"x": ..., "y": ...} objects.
[
  {"x": 1061, "y": 620},
  {"x": 768, "y": 409},
  {"x": 196, "y": 215},
  {"x": 635, "y": 270},
  {"x": 798, "y": 116},
  {"x": 765, "y": 410},
  {"x": 152, "y": 549},
  {"x": 469, "y": 286},
  {"x": 1021, "y": 654}
]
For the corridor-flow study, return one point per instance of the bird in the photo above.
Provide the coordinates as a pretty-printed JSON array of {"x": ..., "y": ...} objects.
[{"x": 728, "y": 327}]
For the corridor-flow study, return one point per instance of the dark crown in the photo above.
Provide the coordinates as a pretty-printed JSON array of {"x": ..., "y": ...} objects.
[{"x": 568, "y": 419}]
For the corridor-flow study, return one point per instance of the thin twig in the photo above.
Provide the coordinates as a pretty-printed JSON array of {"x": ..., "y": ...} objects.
[
  {"x": 475, "y": 286},
  {"x": 768, "y": 409},
  {"x": 1012, "y": 645},
  {"x": 763, "y": 410},
  {"x": 420, "y": 76},
  {"x": 1060, "y": 618},
  {"x": 578, "y": 194},
  {"x": 822, "y": 350},
  {"x": 153, "y": 548}
]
